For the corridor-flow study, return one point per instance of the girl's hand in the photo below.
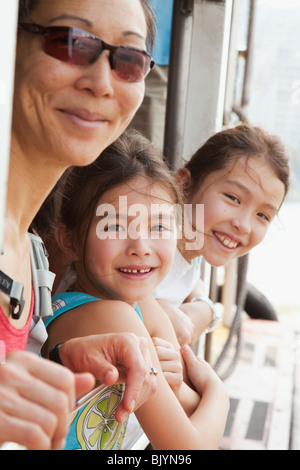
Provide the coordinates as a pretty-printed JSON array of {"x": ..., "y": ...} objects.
[
  {"x": 199, "y": 371},
  {"x": 170, "y": 362}
]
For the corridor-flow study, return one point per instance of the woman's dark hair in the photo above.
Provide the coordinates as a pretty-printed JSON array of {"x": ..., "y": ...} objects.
[
  {"x": 226, "y": 147},
  {"x": 129, "y": 157},
  {"x": 27, "y": 6}
]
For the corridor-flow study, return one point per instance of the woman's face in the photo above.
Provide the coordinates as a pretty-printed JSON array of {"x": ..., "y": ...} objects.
[{"x": 69, "y": 113}]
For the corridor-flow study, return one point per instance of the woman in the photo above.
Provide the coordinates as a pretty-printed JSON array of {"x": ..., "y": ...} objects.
[{"x": 70, "y": 102}]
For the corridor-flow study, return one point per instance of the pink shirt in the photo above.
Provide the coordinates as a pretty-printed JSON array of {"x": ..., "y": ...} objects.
[{"x": 11, "y": 338}]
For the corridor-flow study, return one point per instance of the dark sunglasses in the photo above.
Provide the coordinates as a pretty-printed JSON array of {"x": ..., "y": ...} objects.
[{"x": 76, "y": 46}]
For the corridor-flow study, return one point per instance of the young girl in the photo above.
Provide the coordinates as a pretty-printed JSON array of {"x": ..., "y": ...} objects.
[
  {"x": 118, "y": 224},
  {"x": 241, "y": 177}
]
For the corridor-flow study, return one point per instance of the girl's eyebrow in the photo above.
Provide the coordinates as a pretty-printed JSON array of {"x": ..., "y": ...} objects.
[
  {"x": 118, "y": 216},
  {"x": 113, "y": 215},
  {"x": 239, "y": 185},
  {"x": 247, "y": 191},
  {"x": 163, "y": 218}
]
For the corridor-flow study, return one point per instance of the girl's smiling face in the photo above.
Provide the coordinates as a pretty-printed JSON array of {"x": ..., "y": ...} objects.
[
  {"x": 131, "y": 242},
  {"x": 239, "y": 204}
]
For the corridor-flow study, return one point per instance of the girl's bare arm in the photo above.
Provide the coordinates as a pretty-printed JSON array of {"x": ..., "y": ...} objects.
[{"x": 162, "y": 417}]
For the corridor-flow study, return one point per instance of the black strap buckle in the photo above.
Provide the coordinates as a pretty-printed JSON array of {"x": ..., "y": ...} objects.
[{"x": 15, "y": 291}]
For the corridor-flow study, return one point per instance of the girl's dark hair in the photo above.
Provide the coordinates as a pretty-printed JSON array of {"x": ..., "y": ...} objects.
[
  {"x": 131, "y": 156},
  {"x": 226, "y": 147},
  {"x": 27, "y": 6}
]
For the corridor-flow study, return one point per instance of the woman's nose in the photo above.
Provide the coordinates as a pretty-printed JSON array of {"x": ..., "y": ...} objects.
[{"x": 97, "y": 77}]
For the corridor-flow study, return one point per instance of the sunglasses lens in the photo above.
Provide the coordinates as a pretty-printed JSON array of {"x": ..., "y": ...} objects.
[
  {"x": 77, "y": 47},
  {"x": 130, "y": 65},
  {"x": 68, "y": 47}
]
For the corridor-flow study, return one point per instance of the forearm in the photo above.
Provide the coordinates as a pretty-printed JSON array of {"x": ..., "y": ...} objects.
[
  {"x": 210, "y": 416},
  {"x": 176, "y": 430},
  {"x": 200, "y": 314},
  {"x": 188, "y": 398}
]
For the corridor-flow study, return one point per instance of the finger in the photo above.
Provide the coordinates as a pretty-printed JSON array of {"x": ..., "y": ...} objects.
[
  {"x": 165, "y": 354},
  {"x": 161, "y": 342},
  {"x": 140, "y": 383},
  {"x": 42, "y": 385},
  {"x": 22, "y": 432},
  {"x": 37, "y": 419},
  {"x": 184, "y": 338},
  {"x": 55, "y": 401},
  {"x": 96, "y": 359},
  {"x": 137, "y": 362},
  {"x": 170, "y": 366},
  {"x": 189, "y": 356},
  {"x": 48, "y": 372},
  {"x": 123, "y": 410},
  {"x": 84, "y": 383},
  {"x": 188, "y": 353}
]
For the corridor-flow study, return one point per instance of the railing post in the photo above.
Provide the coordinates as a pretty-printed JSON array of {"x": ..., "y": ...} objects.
[
  {"x": 179, "y": 71},
  {"x": 197, "y": 75}
]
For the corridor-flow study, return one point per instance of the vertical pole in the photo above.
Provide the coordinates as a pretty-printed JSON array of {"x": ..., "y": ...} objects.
[
  {"x": 197, "y": 75},
  {"x": 179, "y": 71},
  {"x": 249, "y": 61}
]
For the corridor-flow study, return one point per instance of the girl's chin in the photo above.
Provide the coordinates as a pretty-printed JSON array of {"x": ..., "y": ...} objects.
[{"x": 218, "y": 261}]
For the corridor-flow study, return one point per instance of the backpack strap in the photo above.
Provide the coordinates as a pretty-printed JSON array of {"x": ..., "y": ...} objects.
[{"x": 42, "y": 280}]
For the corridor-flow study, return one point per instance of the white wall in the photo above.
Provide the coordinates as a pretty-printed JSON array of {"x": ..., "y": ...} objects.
[{"x": 8, "y": 23}]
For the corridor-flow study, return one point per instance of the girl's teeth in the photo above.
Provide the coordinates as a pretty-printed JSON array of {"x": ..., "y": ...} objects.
[
  {"x": 232, "y": 245},
  {"x": 226, "y": 242},
  {"x": 135, "y": 271}
]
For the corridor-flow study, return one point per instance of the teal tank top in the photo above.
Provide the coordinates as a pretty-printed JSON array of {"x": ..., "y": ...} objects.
[{"x": 93, "y": 424}]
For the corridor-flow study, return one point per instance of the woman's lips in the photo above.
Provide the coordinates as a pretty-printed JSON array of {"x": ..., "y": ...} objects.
[{"x": 84, "y": 118}]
